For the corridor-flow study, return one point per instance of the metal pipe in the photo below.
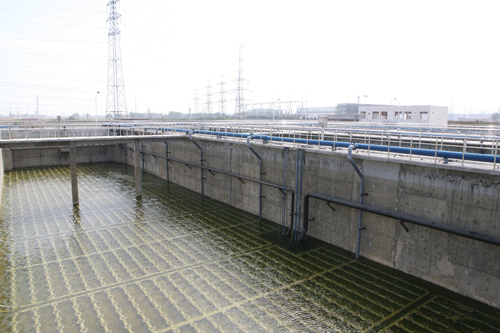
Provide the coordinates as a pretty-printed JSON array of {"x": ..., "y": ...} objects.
[
  {"x": 295, "y": 228},
  {"x": 281, "y": 188},
  {"x": 398, "y": 216},
  {"x": 201, "y": 160},
  {"x": 382, "y": 148},
  {"x": 299, "y": 194},
  {"x": 361, "y": 195},
  {"x": 260, "y": 162}
]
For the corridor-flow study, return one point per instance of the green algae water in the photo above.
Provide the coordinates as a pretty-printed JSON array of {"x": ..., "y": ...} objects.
[{"x": 176, "y": 262}]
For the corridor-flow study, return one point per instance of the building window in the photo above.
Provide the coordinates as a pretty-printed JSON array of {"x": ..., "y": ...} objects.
[
  {"x": 376, "y": 115},
  {"x": 398, "y": 115},
  {"x": 363, "y": 115},
  {"x": 407, "y": 115},
  {"x": 424, "y": 115},
  {"x": 383, "y": 115}
]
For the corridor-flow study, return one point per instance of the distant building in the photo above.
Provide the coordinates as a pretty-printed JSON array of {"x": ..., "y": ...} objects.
[
  {"x": 406, "y": 114},
  {"x": 348, "y": 108},
  {"x": 264, "y": 112},
  {"x": 315, "y": 111}
]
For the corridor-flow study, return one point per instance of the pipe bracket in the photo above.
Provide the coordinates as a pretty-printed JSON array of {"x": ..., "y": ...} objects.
[
  {"x": 189, "y": 166},
  {"x": 403, "y": 224},
  {"x": 329, "y": 205}
]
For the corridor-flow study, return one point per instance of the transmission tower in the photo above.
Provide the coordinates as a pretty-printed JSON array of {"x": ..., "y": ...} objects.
[
  {"x": 240, "y": 100},
  {"x": 222, "y": 96},
  {"x": 116, "y": 104},
  {"x": 196, "y": 101},
  {"x": 208, "y": 100}
]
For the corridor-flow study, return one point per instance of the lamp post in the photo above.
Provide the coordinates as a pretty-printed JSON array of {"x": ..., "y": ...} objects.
[{"x": 96, "y": 108}]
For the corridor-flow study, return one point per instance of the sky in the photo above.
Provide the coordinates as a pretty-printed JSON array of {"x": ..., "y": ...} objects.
[{"x": 318, "y": 53}]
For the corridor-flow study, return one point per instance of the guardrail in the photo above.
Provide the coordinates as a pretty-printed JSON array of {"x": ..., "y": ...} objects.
[{"x": 427, "y": 145}]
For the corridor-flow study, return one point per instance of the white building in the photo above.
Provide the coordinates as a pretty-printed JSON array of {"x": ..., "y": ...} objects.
[
  {"x": 405, "y": 114},
  {"x": 313, "y": 112}
]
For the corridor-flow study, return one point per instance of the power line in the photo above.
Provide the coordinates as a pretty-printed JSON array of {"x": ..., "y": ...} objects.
[
  {"x": 58, "y": 25},
  {"x": 50, "y": 7},
  {"x": 51, "y": 70},
  {"x": 50, "y": 40},
  {"x": 49, "y": 15},
  {"x": 57, "y": 56},
  {"x": 42, "y": 34}
]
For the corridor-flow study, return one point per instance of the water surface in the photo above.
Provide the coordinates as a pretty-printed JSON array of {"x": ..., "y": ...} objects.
[{"x": 175, "y": 262}]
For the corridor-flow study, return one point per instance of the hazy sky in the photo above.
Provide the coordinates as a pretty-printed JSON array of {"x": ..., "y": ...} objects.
[{"x": 328, "y": 52}]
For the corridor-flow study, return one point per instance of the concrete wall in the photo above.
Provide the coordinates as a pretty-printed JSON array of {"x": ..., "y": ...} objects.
[
  {"x": 456, "y": 197},
  {"x": 22, "y": 158}
]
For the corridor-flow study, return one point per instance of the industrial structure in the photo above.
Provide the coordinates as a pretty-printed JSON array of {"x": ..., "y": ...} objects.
[
  {"x": 240, "y": 98},
  {"x": 116, "y": 104},
  {"x": 419, "y": 199}
]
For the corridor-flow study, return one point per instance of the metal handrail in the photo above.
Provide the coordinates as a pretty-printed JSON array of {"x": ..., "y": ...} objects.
[{"x": 453, "y": 139}]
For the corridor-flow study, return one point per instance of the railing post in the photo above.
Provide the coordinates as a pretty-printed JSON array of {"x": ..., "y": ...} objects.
[
  {"x": 464, "y": 150},
  {"x": 436, "y": 151},
  {"x": 496, "y": 152},
  {"x": 411, "y": 146},
  {"x": 389, "y": 146}
]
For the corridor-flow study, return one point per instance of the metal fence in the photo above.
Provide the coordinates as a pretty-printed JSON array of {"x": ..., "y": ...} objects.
[{"x": 475, "y": 147}]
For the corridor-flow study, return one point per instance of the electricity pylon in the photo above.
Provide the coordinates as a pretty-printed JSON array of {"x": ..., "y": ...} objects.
[{"x": 116, "y": 104}]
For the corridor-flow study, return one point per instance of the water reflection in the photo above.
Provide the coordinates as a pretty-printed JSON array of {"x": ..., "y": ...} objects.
[{"x": 172, "y": 261}]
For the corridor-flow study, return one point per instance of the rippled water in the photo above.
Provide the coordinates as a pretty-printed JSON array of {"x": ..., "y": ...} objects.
[{"x": 176, "y": 262}]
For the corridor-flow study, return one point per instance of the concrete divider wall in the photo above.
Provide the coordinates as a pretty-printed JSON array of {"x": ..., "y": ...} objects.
[
  {"x": 457, "y": 197},
  {"x": 22, "y": 158}
]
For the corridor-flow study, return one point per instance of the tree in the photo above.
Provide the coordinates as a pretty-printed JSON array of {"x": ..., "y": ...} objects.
[
  {"x": 495, "y": 117},
  {"x": 174, "y": 115},
  {"x": 74, "y": 116}
]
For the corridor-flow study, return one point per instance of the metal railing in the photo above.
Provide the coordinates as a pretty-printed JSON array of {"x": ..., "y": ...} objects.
[{"x": 400, "y": 142}]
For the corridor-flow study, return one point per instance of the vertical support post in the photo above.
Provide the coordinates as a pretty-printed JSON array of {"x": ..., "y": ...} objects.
[
  {"x": 299, "y": 193},
  {"x": 361, "y": 195},
  {"x": 137, "y": 168},
  {"x": 201, "y": 160},
  {"x": 167, "y": 161},
  {"x": 496, "y": 153},
  {"x": 142, "y": 156},
  {"x": 74, "y": 178},
  {"x": 260, "y": 162}
]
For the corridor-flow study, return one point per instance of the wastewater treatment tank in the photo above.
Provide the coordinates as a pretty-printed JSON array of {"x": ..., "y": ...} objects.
[{"x": 176, "y": 262}]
